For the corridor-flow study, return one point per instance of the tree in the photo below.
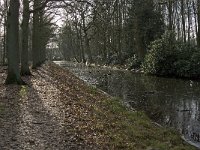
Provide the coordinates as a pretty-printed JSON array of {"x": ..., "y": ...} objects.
[
  {"x": 13, "y": 44},
  {"x": 25, "y": 27},
  {"x": 146, "y": 24},
  {"x": 198, "y": 16},
  {"x": 35, "y": 36},
  {"x": 40, "y": 33},
  {"x": 4, "y": 36},
  {"x": 183, "y": 20}
]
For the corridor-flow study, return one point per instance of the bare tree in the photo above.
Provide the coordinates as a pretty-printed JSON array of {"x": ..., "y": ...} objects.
[
  {"x": 25, "y": 27},
  {"x": 13, "y": 44}
]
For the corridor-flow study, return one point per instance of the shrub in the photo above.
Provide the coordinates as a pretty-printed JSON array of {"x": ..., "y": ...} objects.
[
  {"x": 133, "y": 63},
  {"x": 195, "y": 64},
  {"x": 162, "y": 55},
  {"x": 168, "y": 57},
  {"x": 183, "y": 65}
]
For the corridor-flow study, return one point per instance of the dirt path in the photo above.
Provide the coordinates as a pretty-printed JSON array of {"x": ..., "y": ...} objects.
[
  {"x": 35, "y": 120},
  {"x": 33, "y": 117}
]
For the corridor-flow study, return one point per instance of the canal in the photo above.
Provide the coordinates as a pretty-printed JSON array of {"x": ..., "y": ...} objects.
[{"x": 167, "y": 101}]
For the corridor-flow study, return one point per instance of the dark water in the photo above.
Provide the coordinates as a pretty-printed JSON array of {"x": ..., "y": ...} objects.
[{"x": 169, "y": 102}]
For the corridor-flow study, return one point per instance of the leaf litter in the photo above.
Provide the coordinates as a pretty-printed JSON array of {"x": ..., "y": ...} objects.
[{"x": 57, "y": 110}]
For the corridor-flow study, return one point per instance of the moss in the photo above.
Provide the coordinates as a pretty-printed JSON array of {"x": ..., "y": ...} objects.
[
  {"x": 93, "y": 90},
  {"x": 23, "y": 91}
]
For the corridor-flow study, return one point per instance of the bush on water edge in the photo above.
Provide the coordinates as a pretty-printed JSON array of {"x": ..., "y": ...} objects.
[{"x": 169, "y": 57}]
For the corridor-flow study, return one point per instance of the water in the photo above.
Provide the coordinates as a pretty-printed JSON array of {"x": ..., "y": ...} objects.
[{"x": 170, "y": 102}]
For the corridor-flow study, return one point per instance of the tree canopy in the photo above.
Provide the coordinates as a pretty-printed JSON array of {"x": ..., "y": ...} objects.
[{"x": 115, "y": 32}]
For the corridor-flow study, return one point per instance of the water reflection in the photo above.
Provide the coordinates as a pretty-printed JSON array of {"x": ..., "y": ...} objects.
[{"x": 170, "y": 102}]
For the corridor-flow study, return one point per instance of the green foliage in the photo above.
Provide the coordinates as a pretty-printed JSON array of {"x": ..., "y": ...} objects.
[
  {"x": 169, "y": 57},
  {"x": 133, "y": 63},
  {"x": 23, "y": 91},
  {"x": 195, "y": 64},
  {"x": 162, "y": 55},
  {"x": 93, "y": 90}
]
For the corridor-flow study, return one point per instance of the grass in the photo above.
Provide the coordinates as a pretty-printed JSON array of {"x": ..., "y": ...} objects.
[
  {"x": 93, "y": 90},
  {"x": 133, "y": 130},
  {"x": 23, "y": 91}
]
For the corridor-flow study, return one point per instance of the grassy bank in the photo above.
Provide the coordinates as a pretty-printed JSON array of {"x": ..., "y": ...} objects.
[{"x": 117, "y": 127}]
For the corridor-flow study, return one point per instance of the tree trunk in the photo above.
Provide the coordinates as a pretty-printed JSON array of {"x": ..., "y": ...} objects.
[
  {"x": 13, "y": 76},
  {"x": 42, "y": 36},
  {"x": 35, "y": 38},
  {"x": 170, "y": 15},
  {"x": 139, "y": 36},
  {"x": 183, "y": 20},
  {"x": 4, "y": 43},
  {"x": 5, "y": 34},
  {"x": 189, "y": 19},
  {"x": 195, "y": 17},
  {"x": 24, "y": 54},
  {"x": 86, "y": 40},
  {"x": 198, "y": 17}
]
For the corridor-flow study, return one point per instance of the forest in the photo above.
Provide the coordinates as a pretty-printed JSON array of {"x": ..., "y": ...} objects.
[
  {"x": 137, "y": 34},
  {"x": 99, "y": 74}
]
